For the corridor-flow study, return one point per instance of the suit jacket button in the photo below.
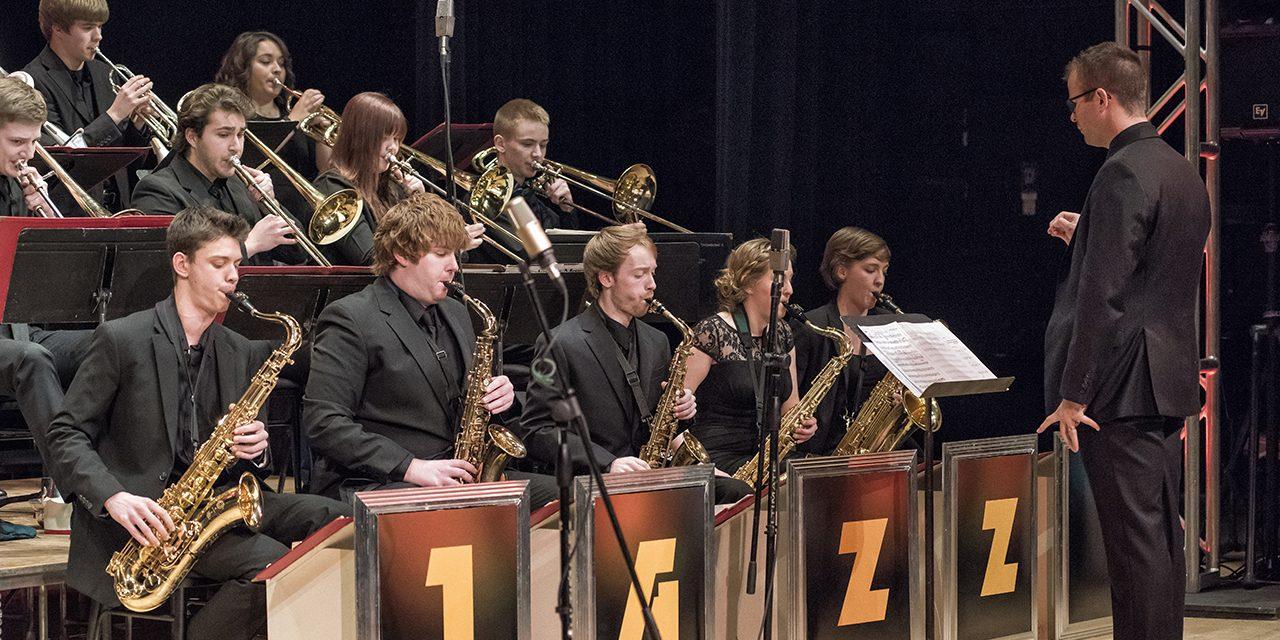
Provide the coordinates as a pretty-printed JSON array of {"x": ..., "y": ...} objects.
[{"x": 162, "y": 477}]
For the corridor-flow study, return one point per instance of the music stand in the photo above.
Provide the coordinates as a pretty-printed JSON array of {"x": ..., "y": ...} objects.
[
  {"x": 273, "y": 133},
  {"x": 88, "y": 167},
  {"x": 467, "y": 140},
  {"x": 932, "y": 390}
]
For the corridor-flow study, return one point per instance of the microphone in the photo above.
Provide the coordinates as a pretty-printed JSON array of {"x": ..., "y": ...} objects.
[
  {"x": 444, "y": 19},
  {"x": 536, "y": 244},
  {"x": 780, "y": 250}
]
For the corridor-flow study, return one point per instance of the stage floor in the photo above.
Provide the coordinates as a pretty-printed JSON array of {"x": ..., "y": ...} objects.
[{"x": 1218, "y": 629}]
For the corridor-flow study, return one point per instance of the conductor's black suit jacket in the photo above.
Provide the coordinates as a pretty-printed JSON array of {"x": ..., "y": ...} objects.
[
  {"x": 1122, "y": 338},
  {"x": 377, "y": 397},
  {"x": 585, "y": 351},
  {"x": 118, "y": 429}
]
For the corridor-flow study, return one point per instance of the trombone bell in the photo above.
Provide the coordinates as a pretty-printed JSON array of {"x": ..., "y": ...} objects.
[
  {"x": 335, "y": 217},
  {"x": 636, "y": 188}
]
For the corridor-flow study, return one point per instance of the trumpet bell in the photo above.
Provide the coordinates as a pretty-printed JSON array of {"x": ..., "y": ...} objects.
[
  {"x": 335, "y": 217},
  {"x": 636, "y": 188},
  {"x": 491, "y": 192}
]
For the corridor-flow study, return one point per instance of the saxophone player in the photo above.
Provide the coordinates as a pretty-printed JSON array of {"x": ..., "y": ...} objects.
[
  {"x": 147, "y": 396},
  {"x": 854, "y": 266},
  {"x": 614, "y": 360},
  {"x": 389, "y": 366}
]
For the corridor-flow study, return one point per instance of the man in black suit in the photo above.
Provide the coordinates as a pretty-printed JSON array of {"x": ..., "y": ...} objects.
[
  {"x": 211, "y": 126},
  {"x": 390, "y": 362},
  {"x": 616, "y": 362},
  {"x": 33, "y": 362},
  {"x": 1122, "y": 343},
  {"x": 77, "y": 88},
  {"x": 148, "y": 395}
]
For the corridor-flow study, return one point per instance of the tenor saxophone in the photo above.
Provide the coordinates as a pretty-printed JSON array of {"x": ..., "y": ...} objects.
[
  {"x": 486, "y": 446},
  {"x": 144, "y": 576},
  {"x": 883, "y": 422},
  {"x": 805, "y": 408},
  {"x": 663, "y": 423}
]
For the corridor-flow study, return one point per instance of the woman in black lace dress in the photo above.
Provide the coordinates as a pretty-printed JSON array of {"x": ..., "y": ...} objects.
[{"x": 719, "y": 370}]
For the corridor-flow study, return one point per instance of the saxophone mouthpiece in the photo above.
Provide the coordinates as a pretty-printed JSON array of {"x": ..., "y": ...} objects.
[
  {"x": 654, "y": 306},
  {"x": 796, "y": 311},
  {"x": 455, "y": 287},
  {"x": 241, "y": 300}
]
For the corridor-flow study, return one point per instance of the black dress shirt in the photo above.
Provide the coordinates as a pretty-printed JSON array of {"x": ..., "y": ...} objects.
[
  {"x": 625, "y": 338},
  {"x": 198, "y": 404}
]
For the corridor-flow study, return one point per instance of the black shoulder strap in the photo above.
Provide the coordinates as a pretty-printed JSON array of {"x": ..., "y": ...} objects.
[{"x": 633, "y": 381}]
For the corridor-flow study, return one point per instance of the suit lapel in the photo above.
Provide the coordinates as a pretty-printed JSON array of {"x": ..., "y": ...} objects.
[
  {"x": 61, "y": 81},
  {"x": 412, "y": 339},
  {"x": 102, "y": 93},
  {"x": 167, "y": 375},
  {"x": 459, "y": 331},
  {"x": 231, "y": 381},
  {"x": 650, "y": 360},
  {"x": 603, "y": 348}
]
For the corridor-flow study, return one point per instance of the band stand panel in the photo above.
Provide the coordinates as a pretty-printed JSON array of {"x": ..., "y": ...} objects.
[
  {"x": 141, "y": 276},
  {"x": 989, "y": 558},
  {"x": 445, "y": 562},
  {"x": 1079, "y": 582},
  {"x": 853, "y": 564},
  {"x": 666, "y": 517}
]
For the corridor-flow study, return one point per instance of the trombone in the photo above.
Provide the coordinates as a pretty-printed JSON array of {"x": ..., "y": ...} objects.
[
  {"x": 48, "y": 209},
  {"x": 332, "y": 218},
  {"x": 78, "y": 193},
  {"x": 631, "y": 194},
  {"x": 327, "y": 134},
  {"x": 463, "y": 179},
  {"x": 162, "y": 121}
]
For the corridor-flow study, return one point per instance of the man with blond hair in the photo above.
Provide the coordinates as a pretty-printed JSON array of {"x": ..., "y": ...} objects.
[{"x": 520, "y": 135}]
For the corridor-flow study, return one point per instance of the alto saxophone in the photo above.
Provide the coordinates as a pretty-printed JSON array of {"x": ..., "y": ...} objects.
[
  {"x": 145, "y": 576},
  {"x": 808, "y": 404},
  {"x": 486, "y": 446},
  {"x": 662, "y": 424},
  {"x": 883, "y": 423}
]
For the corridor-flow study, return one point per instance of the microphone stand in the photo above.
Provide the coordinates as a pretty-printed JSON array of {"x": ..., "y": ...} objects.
[
  {"x": 445, "y": 63},
  {"x": 774, "y": 364},
  {"x": 566, "y": 411}
]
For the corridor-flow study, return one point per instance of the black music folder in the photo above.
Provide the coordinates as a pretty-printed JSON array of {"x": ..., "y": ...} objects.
[
  {"x": 468, "y": 139},
  {"x": 275, "y": 134}
]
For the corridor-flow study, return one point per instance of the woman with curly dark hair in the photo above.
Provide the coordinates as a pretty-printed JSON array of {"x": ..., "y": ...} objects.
[{"x": 258, "y": 64}]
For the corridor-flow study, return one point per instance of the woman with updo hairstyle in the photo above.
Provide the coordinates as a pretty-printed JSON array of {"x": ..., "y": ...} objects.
[
  {"x": 372, "y": 128},
  {"x": 719, "y": 369}
]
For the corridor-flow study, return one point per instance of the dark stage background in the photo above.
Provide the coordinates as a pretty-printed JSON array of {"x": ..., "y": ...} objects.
[{"x": 914, "y": 121}]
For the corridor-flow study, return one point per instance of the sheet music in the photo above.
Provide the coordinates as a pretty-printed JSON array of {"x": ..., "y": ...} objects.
[{"x": 922, "y": 353}]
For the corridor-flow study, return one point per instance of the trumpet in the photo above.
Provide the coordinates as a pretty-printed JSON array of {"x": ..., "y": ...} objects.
[
  {"x": 311, "y": 125},
  {"x": 406, "y": 168},
  {"x": 162, "y": 121},
  {"x": 48, "y": 209},
  {"x": 332, "y": 217}
]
